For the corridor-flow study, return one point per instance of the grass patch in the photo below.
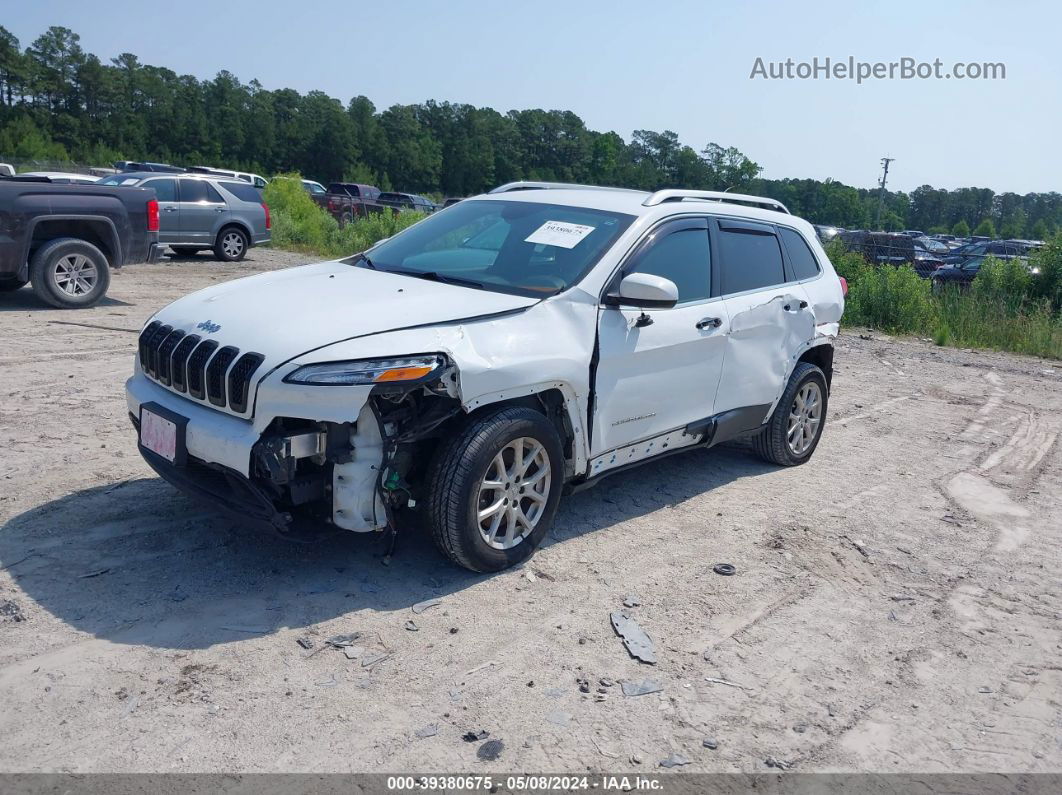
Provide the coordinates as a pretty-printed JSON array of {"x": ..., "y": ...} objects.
[
  {"x": 300, "y": 224},
  {"x": 1008, "y": 308}
]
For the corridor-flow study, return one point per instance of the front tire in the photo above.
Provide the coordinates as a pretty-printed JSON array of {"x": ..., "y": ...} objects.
[
  {"x": 794, "y": 429},
  {"x": 69, "y": 273},
  {"x": 493, "y": 489},
  {"x": 231, "y": 245}
]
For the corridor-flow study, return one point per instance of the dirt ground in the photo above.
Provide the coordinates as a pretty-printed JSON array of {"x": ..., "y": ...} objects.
[{"x": 896, "y": 605}]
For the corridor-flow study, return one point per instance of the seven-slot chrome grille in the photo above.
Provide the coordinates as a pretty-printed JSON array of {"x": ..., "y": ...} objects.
[{"x": 186, "y": 363}]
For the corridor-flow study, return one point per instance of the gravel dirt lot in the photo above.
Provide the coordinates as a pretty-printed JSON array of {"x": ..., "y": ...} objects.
[{"x": 896, "y": 605}]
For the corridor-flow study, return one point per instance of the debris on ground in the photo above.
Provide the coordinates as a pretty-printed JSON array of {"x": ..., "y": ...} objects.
[
  {"x": 780, "y": 764},
  {"x": 475, "y": 737},
  {"x": 675, "y": 760},
  {"x": 353, "y": 652},
  {"x": 709, "y": 743},
  {"x": 642, "y": 688},
  {"x": 490, "y": 750},
  {"x": 10, "y": 611},
  {"x": 605, "y": 682},
  {"x": 584, "y": 684},
  {"x": 800, "y": 728},
  {"x": 420, "y": 607},
  {"x": 716, "y": 681},
  {"x": 305, "y": 642},
  {"x": 638, "y": 643},
  {"x": 411, "y": 626},
  {"x": 631, "y": 600},
  {"x": 726, "y": 569},
  {"x": 372, "y": 659},
  {"x": 339, "y": 641},
  {"x": 427, "y": 731}
]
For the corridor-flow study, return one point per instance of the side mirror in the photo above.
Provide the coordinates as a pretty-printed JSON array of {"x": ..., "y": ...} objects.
[{"x": 644, "y": 290}]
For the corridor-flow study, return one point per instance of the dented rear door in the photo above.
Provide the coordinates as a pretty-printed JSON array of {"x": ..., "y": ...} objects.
[{"x": 770, "y": 321}]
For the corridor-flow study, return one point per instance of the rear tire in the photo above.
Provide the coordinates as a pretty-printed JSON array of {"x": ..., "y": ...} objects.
[
  {"x": 493, "y": 489},
  {"x": 345, "y": 219},
  {"x": 792, "y": 433},
  {"x": 69, "y": 273},
  {"x": 10, "y": 285},
  {"x": 231, "y": 245}
]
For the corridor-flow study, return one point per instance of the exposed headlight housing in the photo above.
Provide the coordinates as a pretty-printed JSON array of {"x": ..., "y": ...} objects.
[{"x": 401, "y": 369}]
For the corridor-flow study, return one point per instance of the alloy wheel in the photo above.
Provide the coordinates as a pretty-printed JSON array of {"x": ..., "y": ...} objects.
[
  {"x": 75, "y": 274},
  {"x": 513, "y": 493},
  {"x": 805, "y": 415}
]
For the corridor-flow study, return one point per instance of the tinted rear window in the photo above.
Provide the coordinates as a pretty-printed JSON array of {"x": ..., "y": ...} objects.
[
  {"x": 193, "y": 190},
  {"x": 243, "y": 191},
  {"x": 750, "y": 261},
  {"x": 805, "y": 266},
  {"x": 165, "y": 189}
]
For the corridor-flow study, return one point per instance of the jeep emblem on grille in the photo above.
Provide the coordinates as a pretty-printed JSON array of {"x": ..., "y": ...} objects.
[{"x": 209, "y": 326}]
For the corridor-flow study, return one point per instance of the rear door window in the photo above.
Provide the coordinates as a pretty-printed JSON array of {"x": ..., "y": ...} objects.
[
  {"x": 165, "y": 189},
  {"x": 750, "y": 257},
  {"x": 193, "y": 190}
]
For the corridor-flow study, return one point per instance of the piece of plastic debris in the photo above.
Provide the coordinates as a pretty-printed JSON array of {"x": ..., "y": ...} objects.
[
  {"x": 675, "y": 760},
  {"x": 638, "y": 643},
  {"x": 331, "y": 681},
  {"x": 631, "y": 601},
  {"x": 642, "y": 688},
  {"x": 559, "y": 718},
  {"x": 716, "y": 681},
  {"x": 411, "y": 626},
  {"x": 305, "y": 642},
  {"x": 584, "y": 684},
  {"x": 372, "y": 659},
  {"x": 420, "y": 607},
  {"x": 709, "y": 743},
  {"x": 95, "y": 573},
  {"x": 353, "y": 652},
  {"x": 726, "y": 569},
  {"x": 770, "y": 761},
  {"x": 984, "y": 690},
  {"x": 800, "y": 728},
  {"x": 604, "y": 682},
  {"x": 530, "y": 576},
  {"x": 490, "y": 750},
  {"x": 343, "y": 640},
  {"x": 475, "y": 737},
  {"x": 427, "y": 731}
]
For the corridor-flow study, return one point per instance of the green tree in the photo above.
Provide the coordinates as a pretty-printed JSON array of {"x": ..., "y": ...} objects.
[
  {"x": 985, "y": 229},
  {"x": 961, "y": 228}
]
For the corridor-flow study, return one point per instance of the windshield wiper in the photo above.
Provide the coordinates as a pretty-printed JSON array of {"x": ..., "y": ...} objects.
[
  {"x": 362, "y": 258},
  {"x": 435, "y": 276}
]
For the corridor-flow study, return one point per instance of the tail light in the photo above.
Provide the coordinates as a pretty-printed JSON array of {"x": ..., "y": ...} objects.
[
  {"x": 844, "y": 286},
  {"x": 269, "y": 223},
  {"x": 153, "y": 215},
  {"x": 332, "y": 204}
]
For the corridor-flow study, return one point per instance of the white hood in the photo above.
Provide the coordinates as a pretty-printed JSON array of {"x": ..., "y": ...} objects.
[{"x": 284, "y": 313}]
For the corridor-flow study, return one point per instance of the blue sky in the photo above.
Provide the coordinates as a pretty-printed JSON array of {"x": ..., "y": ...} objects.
[{"x": 624, "y": 65}]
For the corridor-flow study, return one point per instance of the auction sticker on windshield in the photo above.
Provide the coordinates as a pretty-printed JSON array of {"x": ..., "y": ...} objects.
[{"x": 559, "y": 233}]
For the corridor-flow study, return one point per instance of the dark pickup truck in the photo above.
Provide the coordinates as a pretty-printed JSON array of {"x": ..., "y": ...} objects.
[
  {"x": 64, "y": 239},
  {"x": 346, "y": 201}
]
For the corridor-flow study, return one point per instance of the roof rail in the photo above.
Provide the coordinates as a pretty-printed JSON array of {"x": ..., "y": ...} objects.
[
  {"x": 678, "y": 194},
  {"x": 509, "y": 187}
]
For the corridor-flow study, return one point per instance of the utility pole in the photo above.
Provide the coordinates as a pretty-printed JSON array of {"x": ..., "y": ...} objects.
[{"x": 881, "y": 194}]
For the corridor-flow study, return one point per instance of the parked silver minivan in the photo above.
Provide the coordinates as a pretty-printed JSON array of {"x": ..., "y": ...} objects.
[{"x": 198, "y": 212}]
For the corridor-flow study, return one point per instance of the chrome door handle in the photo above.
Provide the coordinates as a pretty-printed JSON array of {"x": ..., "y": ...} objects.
[
  {"x": 709, "y": 322},
  {"x": 219, "y": 209},
  {"x": 169, "y": 209}
]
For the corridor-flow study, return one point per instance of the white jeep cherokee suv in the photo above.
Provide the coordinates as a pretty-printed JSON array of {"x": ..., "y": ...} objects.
[{"x": 472, "y": 367}]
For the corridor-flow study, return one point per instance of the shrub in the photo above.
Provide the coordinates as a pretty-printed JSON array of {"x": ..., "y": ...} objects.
[
  {"x": 892, "y": 299},
  {"x": 1047, "y": 281},
  {"x": 985, "y": 229},
  {"x": 1004, "y": 283},
  {"x": 300, "y": 223}
]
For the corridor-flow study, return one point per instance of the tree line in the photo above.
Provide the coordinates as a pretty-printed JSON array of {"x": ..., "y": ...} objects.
[{"x": 59, "y": 103}]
